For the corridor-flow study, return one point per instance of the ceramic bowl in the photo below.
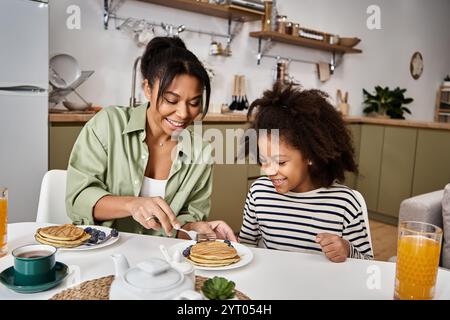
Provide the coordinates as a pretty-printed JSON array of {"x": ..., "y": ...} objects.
[
  {"x": 349, "y": 42},
  {"x": 74, "y": 106}
]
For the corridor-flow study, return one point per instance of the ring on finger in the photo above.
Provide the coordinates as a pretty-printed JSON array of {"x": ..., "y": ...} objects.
[{"x": 150, "y": 218}]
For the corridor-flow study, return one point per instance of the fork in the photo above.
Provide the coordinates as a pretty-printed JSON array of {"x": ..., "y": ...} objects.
[{"x": 194, "y": 235}]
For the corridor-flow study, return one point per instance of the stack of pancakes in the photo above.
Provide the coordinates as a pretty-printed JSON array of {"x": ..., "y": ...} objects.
[
  {"x": 66, "y": 236},
  {"x": 213, "y": 254}
]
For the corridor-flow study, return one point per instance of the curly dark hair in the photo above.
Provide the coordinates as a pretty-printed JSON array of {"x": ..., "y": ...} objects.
[{"x": 309, "y": 123}]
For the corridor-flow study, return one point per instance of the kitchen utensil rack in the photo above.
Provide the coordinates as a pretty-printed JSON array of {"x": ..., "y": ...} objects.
[
  {"x": 229, "y": 12},
  {"x": 273, "y": 37}
]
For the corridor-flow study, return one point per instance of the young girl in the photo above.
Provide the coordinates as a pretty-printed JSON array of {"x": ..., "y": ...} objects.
[{"x": 301, "y": 205}]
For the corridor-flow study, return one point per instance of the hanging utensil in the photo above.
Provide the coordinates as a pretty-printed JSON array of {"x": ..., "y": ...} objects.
[
  {"x": 241, "y": 103},
  {"x": 244, "y": 93},
  {"x": 233, "y": 105}
]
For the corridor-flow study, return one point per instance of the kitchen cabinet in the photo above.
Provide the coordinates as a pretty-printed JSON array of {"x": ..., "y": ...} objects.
[
  {"x": 62, "y": 137},
  {"x": 355, "y": 130},
  {"x": 230, "y": 183},
  {"x": 397, "y": 168},
  {"x": 432, "y": 166},
  {"x": 370, "y": 155}
]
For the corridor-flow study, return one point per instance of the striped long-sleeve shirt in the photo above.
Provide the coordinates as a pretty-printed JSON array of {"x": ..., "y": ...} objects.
[{"x": 292, "y": 221}]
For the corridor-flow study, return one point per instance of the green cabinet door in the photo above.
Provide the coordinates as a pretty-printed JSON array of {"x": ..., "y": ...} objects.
[
  {"x": 397, "y": 167},
  {"x": 432, "y": 169},
  {"x": 62, "y": 137},
  {"x": 370, "y": 154},
  {"x": 230, "y": 182},
  {"x": 355, "y": 130}
]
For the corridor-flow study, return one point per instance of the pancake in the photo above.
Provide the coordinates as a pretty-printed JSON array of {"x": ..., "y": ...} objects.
[
  {"x": 213, "y": 254},
  {"x": 63, "y": 236},
  {"x": 66, "y": 232},
  {"x": 210, "y": 265},
  {"x": 213, "y": 250},
  {"x": 60, "y": 243}
]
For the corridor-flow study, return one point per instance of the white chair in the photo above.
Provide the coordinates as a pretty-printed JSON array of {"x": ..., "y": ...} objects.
[
  {"x": 365, "y": 213},
  {"x": 52, "y": 205}
]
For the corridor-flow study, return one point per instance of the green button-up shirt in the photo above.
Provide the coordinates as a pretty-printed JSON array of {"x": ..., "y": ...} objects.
[{"x": 110, "y": 157}]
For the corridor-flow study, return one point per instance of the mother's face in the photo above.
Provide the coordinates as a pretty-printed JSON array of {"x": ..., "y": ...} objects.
[{"x": 179, "y": 105}]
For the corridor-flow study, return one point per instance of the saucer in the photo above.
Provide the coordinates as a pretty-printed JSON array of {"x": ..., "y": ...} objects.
[{"x": 7, "y": 278}]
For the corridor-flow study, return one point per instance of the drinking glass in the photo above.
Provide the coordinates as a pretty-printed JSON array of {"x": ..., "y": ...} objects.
[
  {"x": 418, "y": 252},
  {"x": 3, "y": 220}
]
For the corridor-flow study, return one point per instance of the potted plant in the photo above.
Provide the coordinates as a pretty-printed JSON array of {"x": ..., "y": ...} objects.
[
  {"x": 446, "y": 81},
  {"x": 386, "y": 103}
]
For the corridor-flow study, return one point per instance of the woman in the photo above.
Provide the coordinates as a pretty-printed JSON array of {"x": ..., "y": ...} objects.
[{"x": 122, "y": 171}]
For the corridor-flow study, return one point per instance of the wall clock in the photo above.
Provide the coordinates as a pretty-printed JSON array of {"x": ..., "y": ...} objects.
[{"x": 416, "y": 65}]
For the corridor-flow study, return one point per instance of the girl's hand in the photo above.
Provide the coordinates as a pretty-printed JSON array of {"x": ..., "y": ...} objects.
[
  {"x": 220, "y": 228},
  {"x": 153, "y": 213},
  {"x": 335, "y": 248}
]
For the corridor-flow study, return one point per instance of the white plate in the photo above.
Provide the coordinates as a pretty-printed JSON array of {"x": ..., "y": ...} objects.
[
  {"x": 67, "y": 69},
  {"x": 244, "y": 252},
  {"x": 104, "y": 244}
]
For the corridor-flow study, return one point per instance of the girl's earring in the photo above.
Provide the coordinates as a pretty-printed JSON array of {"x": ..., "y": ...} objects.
[{"x": 309, "y": 163}]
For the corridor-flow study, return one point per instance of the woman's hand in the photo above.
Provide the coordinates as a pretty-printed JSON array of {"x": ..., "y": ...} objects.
[
  {"x": 153, "y": 213},
  {"x": 335, "y": 248},
  {"x": 220, "y": 228}
]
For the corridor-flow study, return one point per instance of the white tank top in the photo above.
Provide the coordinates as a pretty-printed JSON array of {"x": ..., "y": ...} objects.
[{"x": 153, "y": 188}]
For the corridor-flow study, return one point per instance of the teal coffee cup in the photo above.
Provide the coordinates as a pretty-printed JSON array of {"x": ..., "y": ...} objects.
[{"x": 34, "y": 264}]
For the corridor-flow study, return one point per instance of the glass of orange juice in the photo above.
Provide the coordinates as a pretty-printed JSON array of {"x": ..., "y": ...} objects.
[
  {"x": 418, "y": 252},
  {"x": 3, "y": 220}
]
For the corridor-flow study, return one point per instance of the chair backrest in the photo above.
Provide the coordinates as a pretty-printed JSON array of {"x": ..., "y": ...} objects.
[
  {"x": 365, "y": 214},
  {"x": 52, "y": 205}
]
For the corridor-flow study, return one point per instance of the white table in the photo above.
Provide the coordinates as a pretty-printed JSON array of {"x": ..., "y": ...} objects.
[{"x": 271, "y": 275}]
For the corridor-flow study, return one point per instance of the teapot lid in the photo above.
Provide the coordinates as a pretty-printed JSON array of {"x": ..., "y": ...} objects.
[{"x": 153, "y": 274}]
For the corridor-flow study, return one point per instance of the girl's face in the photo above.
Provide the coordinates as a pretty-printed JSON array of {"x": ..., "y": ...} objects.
[
  {"x": 180, "y": 104},
  {"x": 285, "y": 165}
]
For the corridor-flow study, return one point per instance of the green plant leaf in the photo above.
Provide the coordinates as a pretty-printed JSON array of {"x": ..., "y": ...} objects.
[{"x": 218, "y": 288}]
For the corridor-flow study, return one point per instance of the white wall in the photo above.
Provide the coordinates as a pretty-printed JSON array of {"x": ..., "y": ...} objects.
[{"x": 407, "y": 26}]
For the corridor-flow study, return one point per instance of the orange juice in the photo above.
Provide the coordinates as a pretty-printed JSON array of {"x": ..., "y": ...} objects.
[
  {"x": 3, "y": 224},
  {"x": 417, "y": 266}
]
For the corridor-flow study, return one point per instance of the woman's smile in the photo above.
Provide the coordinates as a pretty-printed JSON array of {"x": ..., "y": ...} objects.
[{"x": 175, "y": 124}]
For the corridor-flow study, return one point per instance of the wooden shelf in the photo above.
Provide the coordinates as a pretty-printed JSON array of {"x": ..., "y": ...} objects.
[
  {"x": 215, "y": 10},
  {"x": 304, "y": 42}
]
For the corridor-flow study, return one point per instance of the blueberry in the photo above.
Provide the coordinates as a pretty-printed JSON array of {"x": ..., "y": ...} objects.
[
  {"x": 88, "y": 230},
  {"x": 93, "y": 238},
  {"x": 114, "y": 233},
  {"x": 187, "y": 251},
  {"x": 101, "y": 235},
  {"x": 227, "y": 242}
]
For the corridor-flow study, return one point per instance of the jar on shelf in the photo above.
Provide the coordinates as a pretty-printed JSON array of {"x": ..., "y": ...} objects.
[
  {"x": 281, "y": 23},
  {"x": 267, "y": 17},
  {"x": 295, "y": 29},
  {"x": 281, "y": 71},
  {"x": 288, "y": 27}
]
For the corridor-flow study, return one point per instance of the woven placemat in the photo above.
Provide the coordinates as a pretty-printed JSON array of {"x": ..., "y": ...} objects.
[{"x": 98, "y": 289}]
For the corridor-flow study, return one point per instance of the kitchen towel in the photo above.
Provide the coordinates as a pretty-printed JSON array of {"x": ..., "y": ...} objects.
[{"x": 324, "y": 71}]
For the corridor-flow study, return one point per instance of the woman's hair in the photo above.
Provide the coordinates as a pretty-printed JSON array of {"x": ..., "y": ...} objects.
[
  {"x": 165, "y": 58},
  {"x": 309, "y": 123}
]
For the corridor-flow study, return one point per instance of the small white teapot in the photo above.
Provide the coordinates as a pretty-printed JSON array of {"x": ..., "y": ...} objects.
[{"x": 153, "y": 279}]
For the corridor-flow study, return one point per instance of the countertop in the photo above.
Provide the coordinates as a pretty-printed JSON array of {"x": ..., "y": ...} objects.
[{"x": 239, "y": 118}]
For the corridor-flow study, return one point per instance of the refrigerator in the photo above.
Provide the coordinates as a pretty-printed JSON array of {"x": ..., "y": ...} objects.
[{"x": 23, "y": 104}]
